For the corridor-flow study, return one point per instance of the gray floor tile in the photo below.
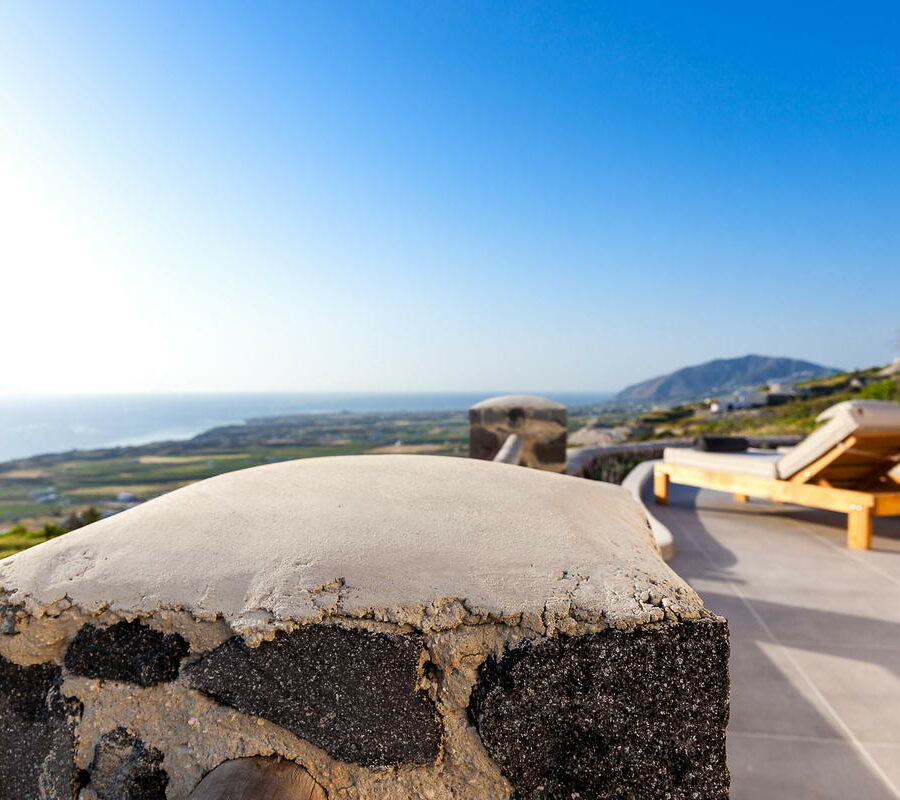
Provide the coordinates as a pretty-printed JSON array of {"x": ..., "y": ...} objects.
[
  {"x": 862, "y": 685},
  {"x": 815, "y": 647},
  {"x": 800, "y": 769},
  {"x": 769, "y": 694},
  {"x": 887, "y": 756},
  {"x": 854, "y": 619}
]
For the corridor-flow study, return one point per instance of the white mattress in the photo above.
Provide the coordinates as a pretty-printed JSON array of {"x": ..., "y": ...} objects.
[
  {"x": 760, "y": 463},
  {"x": 841, "y": 420}
]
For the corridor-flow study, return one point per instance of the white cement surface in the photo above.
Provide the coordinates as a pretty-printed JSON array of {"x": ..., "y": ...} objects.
[
  {"x": 519, "y": 401},
  {"x": 420, "y": 541},
  {"x": 640, "y": 483}
]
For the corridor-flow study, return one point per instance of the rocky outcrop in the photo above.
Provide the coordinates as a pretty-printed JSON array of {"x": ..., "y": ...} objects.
[
  {"x": 124, "y": 768},
  {"x": 353, "y": 693},
  {"x": 591, "y": 716},
  {"x": 37, "y": 741},
  {"x": 126, "y": 651}
]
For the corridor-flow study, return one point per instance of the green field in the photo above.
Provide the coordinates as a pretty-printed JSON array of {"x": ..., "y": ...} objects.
[
  {"x": 94, "y": 479},
  {"x": 91, "y": 480}
]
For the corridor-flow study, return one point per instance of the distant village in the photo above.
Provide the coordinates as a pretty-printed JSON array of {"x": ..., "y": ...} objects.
[
  {"x": 745, "y": 408},
  {"x": 778, "y": 392},
  {"x": 51, "y": 495}
]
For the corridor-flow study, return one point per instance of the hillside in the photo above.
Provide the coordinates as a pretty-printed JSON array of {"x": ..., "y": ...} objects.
[
  {"x": 718, "y": 377},
  {"x": 795, "y": 417}
]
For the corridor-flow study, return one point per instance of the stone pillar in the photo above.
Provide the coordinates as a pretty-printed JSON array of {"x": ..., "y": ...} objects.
[
  {"x": 540, "y": 422},
  {"x": 389, "y": 626}
]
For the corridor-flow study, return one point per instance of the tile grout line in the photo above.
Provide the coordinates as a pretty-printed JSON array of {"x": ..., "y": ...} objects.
[
  {"x": 832, "y": 711},
  {"x": 848, "y": 554},
  {"x": 807, "y": 528},
  {"x": 843, "y": 552},
  {"x": 793, "y": 737},
  {"x": 809, "y": 643}
]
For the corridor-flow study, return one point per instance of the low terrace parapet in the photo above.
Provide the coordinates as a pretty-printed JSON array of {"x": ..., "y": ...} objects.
[
  {"x": 612, "y": 462},
  {"x": 392, "y": 626}
]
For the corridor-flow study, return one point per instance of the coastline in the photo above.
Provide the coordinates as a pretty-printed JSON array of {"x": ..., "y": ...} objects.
[{"x": 32, "y": 425}]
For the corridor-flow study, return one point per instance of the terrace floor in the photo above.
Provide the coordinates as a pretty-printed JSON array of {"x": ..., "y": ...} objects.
[{"x": 815, "y": 664}]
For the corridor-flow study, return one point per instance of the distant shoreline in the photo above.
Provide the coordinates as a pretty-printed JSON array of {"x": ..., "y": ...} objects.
[
  {"x": 32, "y": 426},
  {"x": 47, "y": 489}
]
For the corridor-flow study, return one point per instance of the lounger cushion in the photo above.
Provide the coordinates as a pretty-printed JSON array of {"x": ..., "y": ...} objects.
[
  {"x": 721, "y": 444},
  {"x": 760, "y": 463},
  {"x": 841, "y": 420}
]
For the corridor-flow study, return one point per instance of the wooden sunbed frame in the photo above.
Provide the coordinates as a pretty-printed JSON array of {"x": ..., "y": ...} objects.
[{"x": 853, "y": 478}]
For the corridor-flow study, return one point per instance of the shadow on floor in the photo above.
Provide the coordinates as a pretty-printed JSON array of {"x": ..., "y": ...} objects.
[{"x": 786, "y": 739}]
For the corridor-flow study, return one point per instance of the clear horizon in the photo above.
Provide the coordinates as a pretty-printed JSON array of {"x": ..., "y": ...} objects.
[
  {"x": 32, "y": 424},
  {"x": 374, "y": 392},
  {"x": 342, "y": 392},
  {"x": 318, "y": 198}
]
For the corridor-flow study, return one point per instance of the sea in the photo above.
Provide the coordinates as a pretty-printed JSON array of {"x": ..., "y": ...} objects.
[{"x": 32, "y": 425}]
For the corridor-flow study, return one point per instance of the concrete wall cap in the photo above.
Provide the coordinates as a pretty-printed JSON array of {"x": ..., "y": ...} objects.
[
  {"x": 507, "y": 401},
  {"x": 420, "y": 541}
]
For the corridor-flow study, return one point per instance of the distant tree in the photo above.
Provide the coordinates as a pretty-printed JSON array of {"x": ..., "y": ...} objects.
[
  {"x": 86, "y": 517},
  {"x": 51, "y": 531},
  {"x": 71, "y": 522},
  {"x": 887, "y": 389},
  {"x": 89, "y": 515}
]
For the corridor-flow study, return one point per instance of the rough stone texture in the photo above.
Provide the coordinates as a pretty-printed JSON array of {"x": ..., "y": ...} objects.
[
  {"x": 465, "y": 559},
  {"x": 540, "y": 422},
  {"x": 37, "y": 755},
  {"x": 9, "y": 618},
  {"x": 483, "y": 443},
  {"x": 611, "y": 715},
  {"x": 552, "y": 451},
  {"x": 353, "y": 693},
  {"x": 124, "y": 768},
  {"x": 126, "y": 651},
  {"x": 197, "y": 733}
]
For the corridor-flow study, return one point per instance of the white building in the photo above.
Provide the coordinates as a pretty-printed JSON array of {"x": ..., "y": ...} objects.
[{"x": 738, "y": 400}]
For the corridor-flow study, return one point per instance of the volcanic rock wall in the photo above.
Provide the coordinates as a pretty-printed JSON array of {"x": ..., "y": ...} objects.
[
  {"x": 401, "y": 627},
  {"x": 541, "y": 423}
]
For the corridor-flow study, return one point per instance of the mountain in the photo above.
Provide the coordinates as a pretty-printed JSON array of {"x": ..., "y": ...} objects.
[{"x": 718, "y": 377}]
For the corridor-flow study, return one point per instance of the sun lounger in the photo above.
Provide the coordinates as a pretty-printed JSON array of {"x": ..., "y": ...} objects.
[{"x": 847, "y": 465}]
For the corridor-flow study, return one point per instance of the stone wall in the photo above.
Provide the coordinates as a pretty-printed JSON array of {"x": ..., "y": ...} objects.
[
  {"x": 400, "y": 627},
  {"x": 612, "y": 463},
  {"x": 540, "y": 422}
]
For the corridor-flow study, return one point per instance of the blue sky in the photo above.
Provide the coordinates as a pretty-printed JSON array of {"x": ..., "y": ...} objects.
[{"x": 442, "y": 196}]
